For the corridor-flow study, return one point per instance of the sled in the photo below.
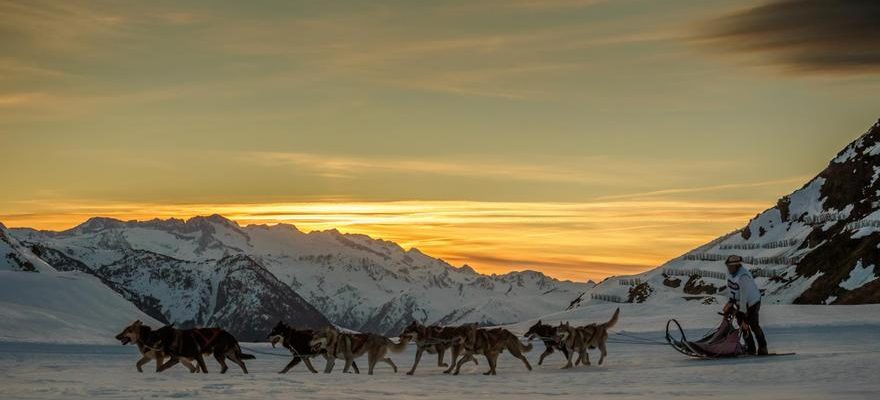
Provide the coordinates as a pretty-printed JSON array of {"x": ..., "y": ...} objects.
[{"x": 721, "y": 342}]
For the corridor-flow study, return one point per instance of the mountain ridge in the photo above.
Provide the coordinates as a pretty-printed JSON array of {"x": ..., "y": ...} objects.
[
  {"x": 357, "y": 281},
  {"x": 816, "y": 245}
]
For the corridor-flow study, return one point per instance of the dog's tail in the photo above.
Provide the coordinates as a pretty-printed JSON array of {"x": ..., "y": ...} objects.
[
  {"x": 243, "y": 356},
  {"x": 397, "y": 347},
  {"x": 613, "y": 321}
]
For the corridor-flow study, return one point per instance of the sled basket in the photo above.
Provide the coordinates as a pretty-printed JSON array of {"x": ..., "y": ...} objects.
[{"x": 723, "y": 341}]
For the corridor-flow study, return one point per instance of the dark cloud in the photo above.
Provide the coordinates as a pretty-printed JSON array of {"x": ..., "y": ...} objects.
[{"x": 807, "y": 36}]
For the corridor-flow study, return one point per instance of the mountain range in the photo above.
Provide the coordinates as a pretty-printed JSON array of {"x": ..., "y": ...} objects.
[
  {"x": 818, "y": 245},
  {"x": 211, "y": 271}
]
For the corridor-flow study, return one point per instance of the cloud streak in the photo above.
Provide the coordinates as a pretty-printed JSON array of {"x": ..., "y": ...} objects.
[
  {"x": 803, "y": 36},
  {"x": 579, "y": 241}
]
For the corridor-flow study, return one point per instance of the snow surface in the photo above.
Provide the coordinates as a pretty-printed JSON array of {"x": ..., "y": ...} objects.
[
  {"x": 837, "y": 350},
  {"x": 859, "y": 276},
  {"x": 62, "y": 307}
]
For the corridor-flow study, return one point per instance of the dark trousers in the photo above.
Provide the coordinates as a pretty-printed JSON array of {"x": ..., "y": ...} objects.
[{"x": 751, "y": 317}]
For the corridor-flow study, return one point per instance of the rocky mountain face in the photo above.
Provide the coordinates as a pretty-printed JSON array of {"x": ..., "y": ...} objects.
[
  {"x": 16, "y": 257},
  {"x": 211, "y": 271},
  {"x": 233, "y": 291},
  {"x": 817, "y": 245}
]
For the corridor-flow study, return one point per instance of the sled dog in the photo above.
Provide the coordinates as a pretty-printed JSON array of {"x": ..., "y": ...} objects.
[
  {"x": 437, "y": 339},
  {"x": 490, "y": 343},
  {"x": 547, "y": 334},
  {"x": 349, "y": 346},
  {"x": 140, "y": 334},
  {"x": 579, "y": 339},
  {"x": 298, "y": 341},
  {"x": 192, "y": 344}
]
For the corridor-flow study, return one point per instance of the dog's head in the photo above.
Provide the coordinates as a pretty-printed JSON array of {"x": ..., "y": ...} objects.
[
  {"x": 131, "y": 333},
  {"x": 278, "y": 332},
  {"x": 534, "y": 330},
  {"x": 322, "y": 339},
  {"x": 412, "y": 331},
  {"x": 563, "y": 332}
]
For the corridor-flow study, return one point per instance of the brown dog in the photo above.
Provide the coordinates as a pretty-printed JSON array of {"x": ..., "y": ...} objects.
[
  {"x": 349, "y": 346},
  {"x": 579, "y": 339},
  {"x": 191, "y": 344},
  {"x": 437, "y": 339},
  {"x": 140, "y": 334},
  {"x": 491, "y": 343},
  {"x": 298, "y": 342}
]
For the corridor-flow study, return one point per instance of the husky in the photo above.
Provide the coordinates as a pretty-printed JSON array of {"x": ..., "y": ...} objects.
[
  {"x": 141, "y": 334},
  {"x": 298, "y": 342},
  {"x": 579, "y": 339},
  {"x": 490, "y": 343},
  {"x": 192, "y": 344},
  {"x": 547, "y": 334},
  {"x": 436, "y": 339},
  {"x": 349, "y": 346}
]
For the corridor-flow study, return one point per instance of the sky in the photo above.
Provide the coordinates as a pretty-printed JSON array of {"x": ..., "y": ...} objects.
[{"x": 580, "y": 138}]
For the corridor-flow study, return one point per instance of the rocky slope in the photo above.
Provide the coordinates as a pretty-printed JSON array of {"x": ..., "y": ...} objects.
[
  {"x": 817, "y": 245},
  {"x": 211, "y": 271}
]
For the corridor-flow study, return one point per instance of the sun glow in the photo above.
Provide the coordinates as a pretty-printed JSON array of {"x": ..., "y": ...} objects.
[{"x": 578, "y": 241}]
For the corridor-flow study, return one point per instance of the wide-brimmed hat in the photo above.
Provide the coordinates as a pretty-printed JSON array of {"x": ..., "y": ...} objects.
[{"x": 734, "y": 260}]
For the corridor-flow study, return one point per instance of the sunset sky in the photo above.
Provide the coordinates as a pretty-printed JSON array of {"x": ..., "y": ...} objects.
[{"x": 581, "y": 138}]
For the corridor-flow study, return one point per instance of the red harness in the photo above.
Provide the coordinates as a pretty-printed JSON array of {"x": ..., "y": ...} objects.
[{"x": 206, "y": 340}]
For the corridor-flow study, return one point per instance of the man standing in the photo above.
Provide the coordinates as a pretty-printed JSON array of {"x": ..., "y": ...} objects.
[{"x": 745, "y": 301}]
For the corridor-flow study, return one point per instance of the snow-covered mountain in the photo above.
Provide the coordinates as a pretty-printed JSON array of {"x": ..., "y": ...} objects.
[
  {"x": 818, "y": 245},
  {"x": 39, "y": 303},
  {"x": 211, "y": 271}
]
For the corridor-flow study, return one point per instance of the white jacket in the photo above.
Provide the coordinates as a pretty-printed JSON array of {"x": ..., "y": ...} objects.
[{"x": 743, "y": 290}]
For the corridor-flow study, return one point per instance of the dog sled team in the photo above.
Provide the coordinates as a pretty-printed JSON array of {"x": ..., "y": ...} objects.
[{"x": 168, "y": 346}]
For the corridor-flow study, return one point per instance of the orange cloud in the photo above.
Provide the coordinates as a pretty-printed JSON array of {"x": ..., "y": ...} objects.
[{"x": 578, "y": 241}]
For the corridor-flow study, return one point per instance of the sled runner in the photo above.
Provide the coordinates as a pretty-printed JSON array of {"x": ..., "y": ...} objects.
[{"x": 721, "y": 342}]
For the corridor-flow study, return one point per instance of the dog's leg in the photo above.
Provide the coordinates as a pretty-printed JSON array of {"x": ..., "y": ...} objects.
[
  {"x": 455, "y": 352},
  {"x": 201, "y": 361},
  {"x": 568, "y": 359},
  {"x": 461, "y": 362},
  {"x": 328, "y": 367},
  {"x": 308, "y": 364},
  {"x": 391, "y": 363},
  {"x": 548, "y": 351},
  {"x": 160, "y": 359},
  {"x": 474, "y": 359},
  {"x": 441, "y": 351},
  {"x": 145, "y": 360},
  {"x": 348, "y": 361},
  {"x": 372, "y": 359},
  {"x": 514, "y": 350},
  {"x": 603, "y": 351},
  {"x": 492, "y": 358},
  {"x": 232, "y": 355},
  {"x": 419, "y": 352},
  {"x": 290, "y": 365},
  {"x": 221, "y": 359},
  {"x": 354, "y": 366},
  {"x": 189, "y": 365},
  {"x": 172, "y": 362}
]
